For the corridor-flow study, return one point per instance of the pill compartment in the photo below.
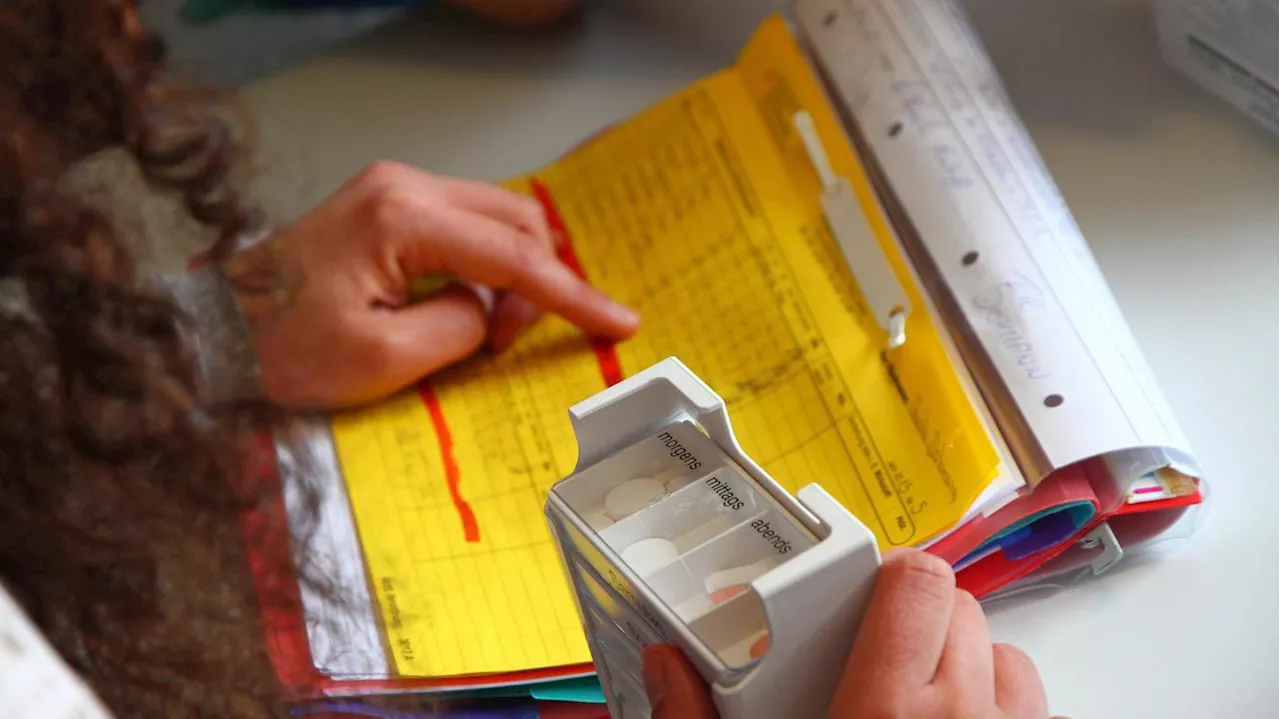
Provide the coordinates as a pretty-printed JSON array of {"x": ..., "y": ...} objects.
[
  {"x": 722, "y": 568},
  {"x": 628, "y": 482},
  {"x": 737, "y": 630},
  {"x": 684, "y": 520}
]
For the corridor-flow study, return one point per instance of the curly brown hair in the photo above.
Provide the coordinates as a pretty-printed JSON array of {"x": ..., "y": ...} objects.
[{"x": 120, "y": 496}]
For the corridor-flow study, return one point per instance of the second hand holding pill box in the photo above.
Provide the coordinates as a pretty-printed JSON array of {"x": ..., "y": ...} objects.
[{"x": 671, "y": 534}]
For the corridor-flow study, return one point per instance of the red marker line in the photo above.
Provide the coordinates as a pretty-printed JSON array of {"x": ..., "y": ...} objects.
[
  {"x": 452, "y": 475},
  {"x": 606, "y": 353},
  {"x": 606, "y": 359}
]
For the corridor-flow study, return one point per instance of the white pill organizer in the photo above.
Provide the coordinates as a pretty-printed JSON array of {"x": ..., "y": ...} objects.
[{"x": 670, "y": 533}]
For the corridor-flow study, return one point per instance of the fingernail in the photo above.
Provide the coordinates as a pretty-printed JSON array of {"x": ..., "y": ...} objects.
[
  {"x": 484, "y": 294},
  {"x": 624, "y": 315},
  {"x": 655, "y": 676}
]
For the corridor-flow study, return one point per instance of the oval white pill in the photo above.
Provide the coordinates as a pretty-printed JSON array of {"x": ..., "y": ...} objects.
[
  {"x": 632, "y": 496},
  {"x": 598, "y": 520},
  {"x": 649, "y": 555}
]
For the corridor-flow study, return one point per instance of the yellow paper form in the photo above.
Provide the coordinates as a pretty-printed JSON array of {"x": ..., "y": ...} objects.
[{"x": 702, "y": 214}]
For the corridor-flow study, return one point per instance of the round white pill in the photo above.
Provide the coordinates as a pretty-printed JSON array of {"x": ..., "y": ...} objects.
[
  {"x": 649, "y": 555},
  {"x": 597, "y": 519},
  {"x": 632, "y": 496}
]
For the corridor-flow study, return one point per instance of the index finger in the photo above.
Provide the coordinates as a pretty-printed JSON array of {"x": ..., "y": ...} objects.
[
  {"x": 501, "y": 204},
  {"x": 484, "y": 250},
  {"x": 902, "y": 635}
]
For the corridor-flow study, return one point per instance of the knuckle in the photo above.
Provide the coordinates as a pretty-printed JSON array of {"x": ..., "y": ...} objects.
[
  {"x": 391, "y": 207},
  {"x": 965, "y": 601},
  {"x": 918, "y": 566},
  {"x": 381, "y": 173},
  {"x": 527, "y": 256},
  {"x": 1010, "y": 656},
  {"x": 533, "y": 216},
  {"x": 919, "y": 578}
]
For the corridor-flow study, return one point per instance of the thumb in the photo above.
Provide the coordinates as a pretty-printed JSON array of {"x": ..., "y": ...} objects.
[
  {"x": 434, "y": 333},
  {"x": 512, "y": 315},
  {"x": 675, "y": 689}
]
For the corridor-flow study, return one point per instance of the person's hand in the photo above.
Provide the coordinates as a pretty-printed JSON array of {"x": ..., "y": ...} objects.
[
  {"x": 327, "y": 298},
  {"x": 675, "y": 689},
  {"x": 923, "y": 652}
]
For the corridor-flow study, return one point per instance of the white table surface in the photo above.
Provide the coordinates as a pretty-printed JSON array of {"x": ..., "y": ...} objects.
[{"x": 1152, "y": 167}]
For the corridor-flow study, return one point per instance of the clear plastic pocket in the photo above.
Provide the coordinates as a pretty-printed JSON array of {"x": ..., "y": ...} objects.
[{"x": 620, "y": 659}]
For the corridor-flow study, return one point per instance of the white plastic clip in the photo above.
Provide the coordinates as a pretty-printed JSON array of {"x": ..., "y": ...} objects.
[
  {"x": 863, "y": 254},
  {"x": 1111, "y": 550}
]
